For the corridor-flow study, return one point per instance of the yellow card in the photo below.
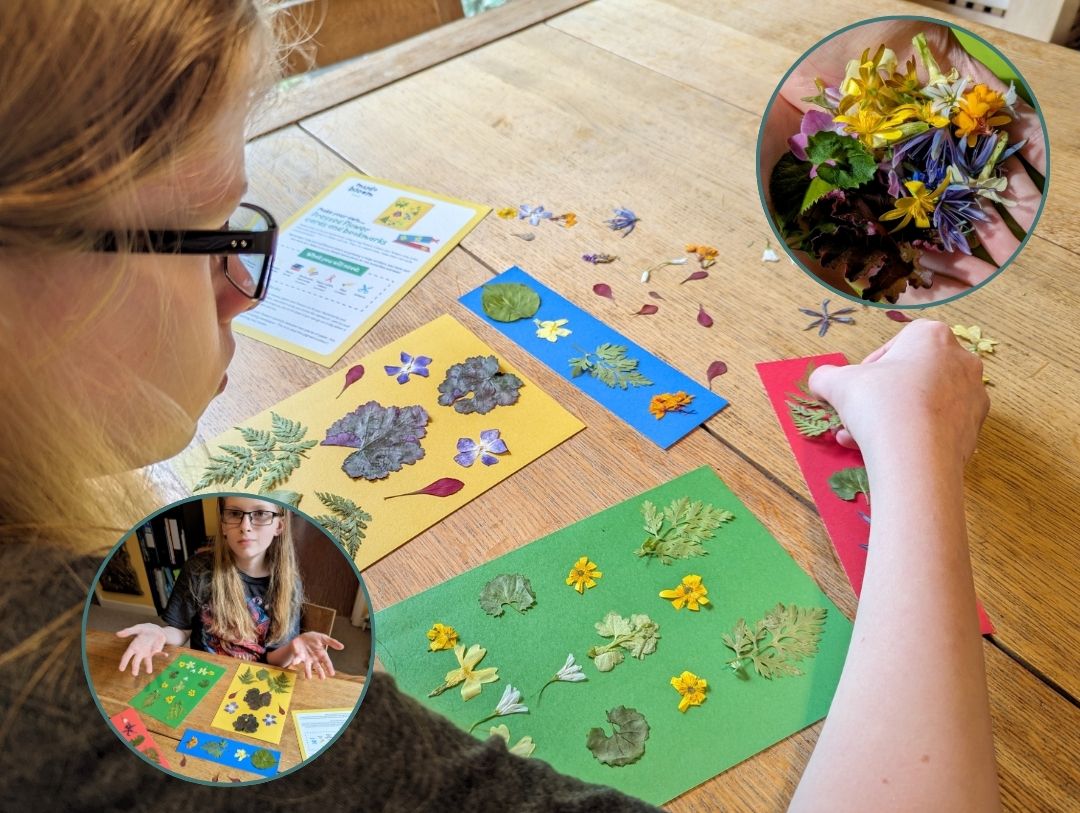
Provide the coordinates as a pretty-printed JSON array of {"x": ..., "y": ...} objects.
[
  {"x": 400, "y": 466},
  {"x": 349, "y": 256},
  {"x": 256, "y": 703}
]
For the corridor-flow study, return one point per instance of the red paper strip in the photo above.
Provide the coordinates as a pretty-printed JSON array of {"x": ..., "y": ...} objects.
[
  {"x": 819, "y": 458},
  {"x": 132, "y": 729}
]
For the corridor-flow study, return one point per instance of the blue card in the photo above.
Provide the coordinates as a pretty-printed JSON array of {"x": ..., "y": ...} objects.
[
  {"x": 229, "y": 752},
  {"x": 637, "y": 405}
]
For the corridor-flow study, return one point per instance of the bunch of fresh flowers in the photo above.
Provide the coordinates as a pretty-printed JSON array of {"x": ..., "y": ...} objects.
[{"x": 890, "y": 167}]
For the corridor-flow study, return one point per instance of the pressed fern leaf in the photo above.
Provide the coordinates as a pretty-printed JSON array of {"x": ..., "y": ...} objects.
[
  {"x": 280, "y": 684},
  {"x": 679, "y": 530},
  {"x": 786, "y": 635},
  {"x": 609, "y": 365},
  {"x": 811, "y": 417},
  {"x": 271, "y": 454},
  {"x": 346, "y": 522}
]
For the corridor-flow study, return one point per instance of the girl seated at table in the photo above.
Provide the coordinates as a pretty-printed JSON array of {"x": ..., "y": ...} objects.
[{"x": 241, "y": 599}]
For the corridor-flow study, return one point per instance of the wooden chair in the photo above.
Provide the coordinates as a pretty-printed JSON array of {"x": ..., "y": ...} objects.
[{"x": 316, "y": 618}]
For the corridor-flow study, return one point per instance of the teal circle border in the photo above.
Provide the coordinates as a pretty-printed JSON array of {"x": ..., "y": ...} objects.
[
  {"x": 761, "y": 137},
  {"x": 86, "y": 615}
]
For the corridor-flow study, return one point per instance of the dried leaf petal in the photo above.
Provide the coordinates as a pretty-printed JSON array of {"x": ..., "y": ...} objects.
[
  {"x": 603, "y": 289},
  {"x": 443, "y": 487},
  {"x": 646, "y": 310},
  {"x": 695, "y": 276},
  {"x": 703, "y": 318},
  {"x": 353, "y": 375},
  {"x": 717, "y": 368},
  {"x": 627, "y": 742},
  {"x": 655, "y": 295}
]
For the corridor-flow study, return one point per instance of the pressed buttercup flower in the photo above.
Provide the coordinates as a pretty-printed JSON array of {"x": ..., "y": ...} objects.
[
  {"x": 918, "y": 207},
  {"x": 691, "y": 688},
  {"x": 874, "y": 129},
  {"x": 441, "y": 636},
  {"x": 489, "y": 445},
  {"x": 534, "y": 214},
  {"x": 410, "y": 365},
  {"x": 570, "y": 673},
  {"x": 467, "y": 675},
  {"x": 689, "y": 593},
  {"x": 507, "y": 212},
  {"x": 624, "y": 221},
  {"x": 868, "y": 89},
  {"x": 583, "y": 574},
  {"x": 980, "y": 110},
  {"x": 666, "y": 402},
  {"x": 510, "y": 703},
  {"x": 551, "y": 329}
]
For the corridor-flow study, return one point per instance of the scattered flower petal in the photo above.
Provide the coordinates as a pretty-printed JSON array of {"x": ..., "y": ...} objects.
[
  {"x": 524, "y": 235},
  {"x": 717, "y": 368},
  {"x": 522, "y": 748},
  {"x": 353, "y": 375},
  {"x": 568, "y": 220},
  {"x": 703, "y": 318},
  {"x": 597, "y": 259},
  {"x": 603, "y": 289},
  {"x": 646, "y": 310},
  {"x": 898, "y": 316},
  {"x": 507, "y": 212},
  {"x": 769, "y": 255},
  {"x": 655, "y": 295},
  {"x": 443, "y": 487},
  {"x": 695, "y": 276}
]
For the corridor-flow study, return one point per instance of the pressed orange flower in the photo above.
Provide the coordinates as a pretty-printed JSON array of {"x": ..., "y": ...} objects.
[
  {"x": 919, "y": 206},
  {"x": 706, "y": 254},
  {"x": 981, "y": 109},
  {"x": 666, "y": 402},
  {"x": 566, "y": 220},
  {"x": 692, "y": 688},
  {"x": 583, "y": 574},
  {"x": 690, "y": 592},
  {"x": 507, "y": 212},
  {"x": 441, "y": 636}
]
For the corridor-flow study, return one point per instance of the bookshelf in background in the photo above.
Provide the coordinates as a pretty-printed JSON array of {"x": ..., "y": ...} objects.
[{"x": 166, "y": 542}]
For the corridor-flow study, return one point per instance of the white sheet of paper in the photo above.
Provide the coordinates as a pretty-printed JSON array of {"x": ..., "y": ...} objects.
[{"x": 315, "y": 728}]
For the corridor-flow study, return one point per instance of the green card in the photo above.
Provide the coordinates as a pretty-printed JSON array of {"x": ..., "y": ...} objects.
[
  {"x": 173, "y": 692},
  {"x": 746, "y": 572}
]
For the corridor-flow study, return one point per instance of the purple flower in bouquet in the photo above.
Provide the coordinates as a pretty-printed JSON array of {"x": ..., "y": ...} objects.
[
  {"x": 956, "y": 209},
  {"x": 933, "y": 150},
  {"x": 813, "y": 121}
]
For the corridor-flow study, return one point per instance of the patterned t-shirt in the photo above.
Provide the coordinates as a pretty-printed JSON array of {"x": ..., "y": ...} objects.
[{"x": 190, "y": 607}]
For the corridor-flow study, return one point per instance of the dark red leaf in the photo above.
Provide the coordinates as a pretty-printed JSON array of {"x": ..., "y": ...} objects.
[
  {"x": 443, "y": 487},
  {"x": 214, "y": 778},
  {"x": 603, "y": 289},
  {"x": 703, "y": 318},
  {"x": 231, "y": 696},
  {"x": 281, "y": 711},
  {"x": 183, "y": 760},
  {"x": 898, "y": 316},
  {"x": 655, "y": 295},
  {"x": 694, "y": 276},
  {"x": 353, "y": 375},
  {"x": 646, "y": 310},
  {"x": 717, "y": 368},
  {"x": 234, "y": 779}
]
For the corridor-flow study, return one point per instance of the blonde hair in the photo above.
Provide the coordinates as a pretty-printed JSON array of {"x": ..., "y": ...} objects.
[
  {"x": 232, "y": 620},
  {"x": 99, "y": 96}
]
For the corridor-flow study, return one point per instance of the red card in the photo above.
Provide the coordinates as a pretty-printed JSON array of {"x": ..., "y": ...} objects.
[
  {"x": 131, "y": 728},
  {"x": 847, "y": 523}
]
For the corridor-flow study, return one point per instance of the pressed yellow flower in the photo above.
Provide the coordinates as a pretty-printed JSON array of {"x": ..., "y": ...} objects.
[
  {"x": 924, "y": 111},
  {"x": 583, "y": 574},
  {"x": 906, "y": 83},
  {"x": 919, "y": 206},
  {"x": 980, "y": 111},
  {"x": 972, "y": 339},
  {"x": 170, "y": 698},
  {"x": 867, "y": 89},
  {"x": 551, "y": 329},
  {"x": 874, "y": 129},
  {"x": 666, "y": 402},
  {"x": 692, "y": 688},
  {"x": 441, "y": 637},
  {"x": 470, "y": 678},
  {"x": 690, "y": 592},
  {"x": 507, "y": 212}
]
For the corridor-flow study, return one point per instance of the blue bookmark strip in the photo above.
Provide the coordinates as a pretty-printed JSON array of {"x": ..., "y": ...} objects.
[{"x": 229, "y": 752}]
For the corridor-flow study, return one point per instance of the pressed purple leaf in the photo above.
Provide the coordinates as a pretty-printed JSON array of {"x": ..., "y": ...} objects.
[
  {"x": 443, "y": 487},
  {"x": 655, "y": 295},
  {"x": 603, "y": 289},
  {"x": 898, "y": 316},
  {"x": 703, "y": 318},
  {"x": 696, "y": 275},
  {"x": 646, "y": 310},
  {"x": 353, "y": 375},
  {"x": 717, "y": 368}
]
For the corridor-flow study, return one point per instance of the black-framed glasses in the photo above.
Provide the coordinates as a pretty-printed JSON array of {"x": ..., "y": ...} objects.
[
  {"x": 245, "y": 243},
  {"x": 234, "y": 516}
]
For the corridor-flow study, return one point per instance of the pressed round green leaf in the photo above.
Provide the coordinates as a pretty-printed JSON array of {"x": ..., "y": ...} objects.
[{"x": 509, "y": 301}]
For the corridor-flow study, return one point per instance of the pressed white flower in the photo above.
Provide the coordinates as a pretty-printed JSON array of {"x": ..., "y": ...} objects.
[
  {"x": 648, "y": 271},
  {"x": 946, "y": 95},
  {"x": 510, "y": 703},
  {"x": 769, "y": 256},
  {"x": 571, "y": 671},
  {"x": 240, "y": 754}
]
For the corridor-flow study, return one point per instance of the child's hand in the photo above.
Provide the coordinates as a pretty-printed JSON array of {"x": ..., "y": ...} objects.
[
  {"x": 148, "y": 641},
  {"x": 921, "y": 387},
  {"x": 308, "y": 649}
]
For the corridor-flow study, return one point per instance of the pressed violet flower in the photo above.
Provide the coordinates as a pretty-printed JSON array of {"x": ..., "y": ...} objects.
[
  {"x": 551, "y": 329},
  {"x": 597, "y": 259},
  {"x": 410, "y": 365},
  {"x": 510, "y": 703},
  {"x": 231, "y": 707},
  {"x": 583, "y": 574},
  {"x": 570, "y": 673},
  {"x": 666, "y": 402},
  {"x": 689, "y": 593},
  {"x": 919, "y": 206},
  {"x": 534, "y": 214},
  {"x": 691, "y": 688},
  {"x": 441, "y": 636},
  {"x": 489, "y": 445},
  {"x": 624, "y": 221},
  {"x": 467, "y": 675},
  {"x": 270, "y": 719}
]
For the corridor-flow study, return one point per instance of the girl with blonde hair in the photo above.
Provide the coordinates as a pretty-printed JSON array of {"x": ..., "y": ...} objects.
[{"x": 121, "y": 155}]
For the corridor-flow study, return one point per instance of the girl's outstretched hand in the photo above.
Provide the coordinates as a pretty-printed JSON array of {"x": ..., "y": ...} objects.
[
  {"x": 308, "y": 650},
  {"x": 148, "y": 640}
]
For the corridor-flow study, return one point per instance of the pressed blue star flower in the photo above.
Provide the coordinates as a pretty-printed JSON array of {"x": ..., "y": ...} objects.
[
  {"x": 490, "y": 445},
  {"x": 956, "y": 209},
  {"x": 534, "y": 214},
  {"x": 410, "y": 365},
  {"x": 624, "y": 221}
]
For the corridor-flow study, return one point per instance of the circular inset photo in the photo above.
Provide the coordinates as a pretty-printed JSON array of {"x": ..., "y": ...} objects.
[
  {"x": 227, "y": 639},
  {"x": 903, "y": 161}
]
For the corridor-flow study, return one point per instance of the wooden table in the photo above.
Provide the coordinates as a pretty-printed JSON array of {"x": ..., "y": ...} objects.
[
  {"x": 115, "y": 689},
  {"x": 655, "y": 105}
]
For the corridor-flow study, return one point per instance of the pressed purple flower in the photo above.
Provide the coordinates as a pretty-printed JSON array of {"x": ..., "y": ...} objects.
[
  {"x": 534, "y": 214},
  {"x": 971, "y": 160},
  {"x": 953, "y": 216},
  {"x": 813, "y": 122},
  {"x": 931, "y": 152},
  {"x": 270, "y": 719},
  {"x": 489, "y": 445},
  {"x": 624, "y": 221},
  {"x": 230, "y": 708},
  {"x": 597, "y": 259},
  {"x": 410, "y": 365}
]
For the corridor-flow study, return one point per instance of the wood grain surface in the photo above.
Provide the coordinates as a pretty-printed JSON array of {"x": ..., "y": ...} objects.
[{"x": 656, "y": 105}]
